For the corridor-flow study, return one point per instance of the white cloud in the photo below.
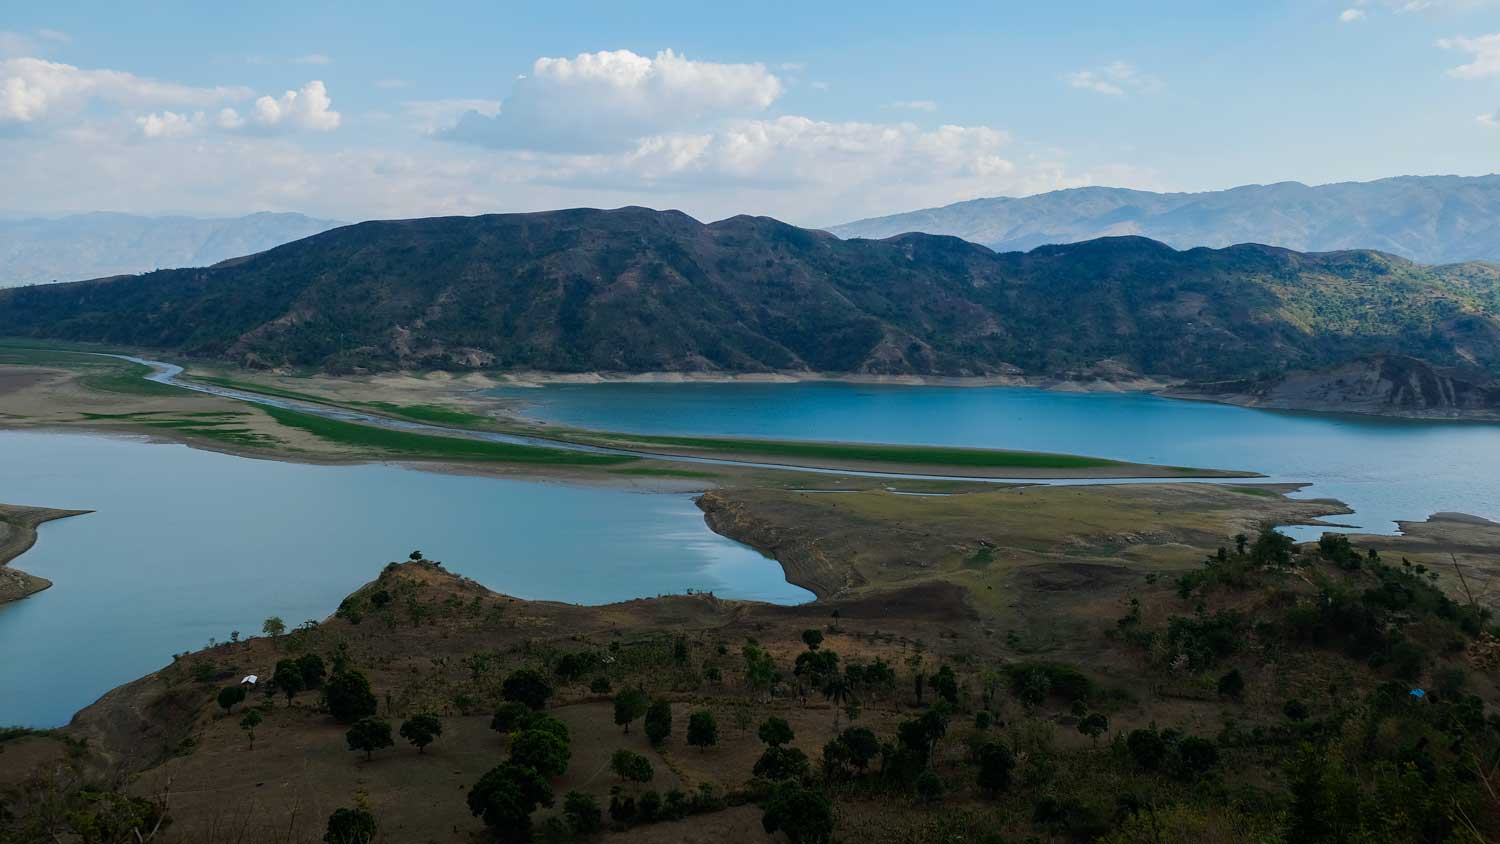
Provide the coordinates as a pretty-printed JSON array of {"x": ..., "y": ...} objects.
[
  {"x": 1484, "y": 52},
  {"x": 313, "y": 58},
  {"x": 913, "y": 105},
  {"x": 1115, "y": 80},
  {"x": 169, "y": 124},
  {"x": 31, "y": 89},
  {"x": 433, "y": 116},
  {"x": 307, "y": 108},
  {"x": 1491, "y": 120},
  {"x": 605, "y": 100},
  {"x": 1351, "y": 15}
]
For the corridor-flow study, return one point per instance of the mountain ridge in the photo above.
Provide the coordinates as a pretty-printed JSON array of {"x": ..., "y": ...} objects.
[
  {"x": 637, "y": 290},
  {"x": 1430, "y": 219}
]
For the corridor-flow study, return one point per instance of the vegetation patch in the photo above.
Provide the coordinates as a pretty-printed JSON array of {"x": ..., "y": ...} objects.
[
  {"x": 875, "y": 453},
  {"x": 409, "y": 444}
]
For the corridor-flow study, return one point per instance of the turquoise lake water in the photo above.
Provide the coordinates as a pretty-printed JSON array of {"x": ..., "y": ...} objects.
[
  {"x": 237, "y": 540},
  {"x": 1385, "y": 469},
  {"x": 187, "y": 545}
]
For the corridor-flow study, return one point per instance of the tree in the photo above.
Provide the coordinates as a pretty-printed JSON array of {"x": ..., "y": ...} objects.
[
  {"x": 1232, "y": 684},
  {"x": 760, "y": 668},
  {"x": 1147, "y": 747},
  {"x": 1093, "y": 725},
  {"x": 350, "y": 826},
  {"x": 288, "y": 678},
  {"x": 929, "y": 786},
  {"x": 945, "y": 683},
  {"x": 702, "y": 729},
  {"x": 369, "y": 735},
  {"x": 421, "y": 729},
  {"x": 510, "y": 717},
  {"x": 583, "y": 814},
  {"x": 229, "y": 696},
  {"x": 1294, "y": 710},
  {"x": 630, "y": 704},
  {"x": 273, "y": 626},
  {"x": 775, "y": 731},
  {"x": 996, "y": 763},
  {"x": 541, "y": 750},
  {"x": 806, "y": 816},
  {"x": 812, "y": 638},
  {"x": 349, "y": 697},
  {"x": 313, "y": 671},
  {"x": 528, "y": 686},
  {"x": 631, "y": 766},
  {"x": 659, "y": 721},
  {"x": 782, "y": 763},
  {"x": 1197, "y": 756},
  {"x": 249, "y": 722},
  {"x": 837, "y": 691},
  {"x": 506, "y": 796},
  {"x": 862, "y": 744}
]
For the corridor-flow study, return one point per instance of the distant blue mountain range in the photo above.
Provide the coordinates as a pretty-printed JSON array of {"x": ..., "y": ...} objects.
[{"x": 1431, "y": 219}]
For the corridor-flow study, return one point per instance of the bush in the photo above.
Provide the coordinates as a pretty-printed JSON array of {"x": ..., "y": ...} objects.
[
  {"x": 600, "y": 686},
  {"x": 1146, "y": 747},
  {"x": 782, "y": 763},
  {"x": 805, "y": 816},
  {"x": 649, "y": 806},
  {"x": 996, "y": 763},
  {"x": 928, "y": 786},
  {"x": 583, "y": 814},
  {"x": 350, "y": 826},
  {"x": 1034, "y": 682},
  {"x": 632, "y": 766},
  {"x": 1232, "y": 684}
]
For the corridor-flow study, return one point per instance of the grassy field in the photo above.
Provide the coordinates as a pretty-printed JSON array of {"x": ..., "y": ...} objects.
[
  {"x": 429, "y": 447},
  {"x": 219, "y": 426},
  {"x": 871, "y": 453}
]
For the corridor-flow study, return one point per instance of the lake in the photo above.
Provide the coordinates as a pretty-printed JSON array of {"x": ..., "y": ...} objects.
[
  {"x": 187, "y": 545},
  {"x": 1384, "y": 468}
]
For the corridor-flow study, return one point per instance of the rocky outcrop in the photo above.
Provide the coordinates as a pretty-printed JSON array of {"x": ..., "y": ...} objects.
[{"x": 1386, "y": 385}]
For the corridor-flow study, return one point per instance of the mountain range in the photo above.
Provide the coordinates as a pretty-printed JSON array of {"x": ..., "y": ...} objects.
[
  {"x": 36, "y": 251},
  {"x": 1431, "y": 219},
  {"x": 633, "y": 290}
]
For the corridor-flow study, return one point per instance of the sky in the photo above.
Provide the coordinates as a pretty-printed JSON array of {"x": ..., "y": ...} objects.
[{"x": 814, "y": 112}]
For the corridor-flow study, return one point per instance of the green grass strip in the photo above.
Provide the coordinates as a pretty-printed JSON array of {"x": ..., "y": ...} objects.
[
  {"x": 410, "y": 444},
  {"x": 911, "y": 455}
]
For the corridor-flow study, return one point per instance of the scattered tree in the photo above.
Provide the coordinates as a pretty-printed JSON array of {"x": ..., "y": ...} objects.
[
  {"x": 273, "y": 626},
  {"x": 369, "y": 735},
  {"x": 349, "y": 697},
  {"x": 1232, "y": 684},
  {"x": 775, "y": 731},
  {"x": 510, "y": 717},
  {"x": 249, "y": 722},
  {"x": 929, "y": 786},
  {"x": 806, "y": 816},
  {"x": 229, "y": 696},
  {"x": 312, "y": 669},
  {"x": 288, "y": 678},
  {"x": 528, "y": 686},
  {"x": 541, "y": 750},
  {"x": 996, "y": 763},
  {"x": 631, "y": 766},
  {"x": 1093, "y": 725},
  {"x": 702, "y": 729},
  {"x": 582, "y": 812},
  {"x": 421, "y": 729},
  {"x": 659, "y": 721},
  {"x": 630, "y": 704},
  {"x": 782, "y": 763},
  {"x": 350, "y": 826},
  {"x": 812, "y": 638},
  {"x": 506, "y": 796}
]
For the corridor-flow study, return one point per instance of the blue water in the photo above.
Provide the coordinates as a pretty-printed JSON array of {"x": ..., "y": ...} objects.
[
  {"x": 1385, "y": 469},
  {"x": 190, "y": 545}
]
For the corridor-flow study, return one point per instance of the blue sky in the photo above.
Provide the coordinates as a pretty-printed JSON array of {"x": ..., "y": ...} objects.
[{"x": 813, "y": 112}]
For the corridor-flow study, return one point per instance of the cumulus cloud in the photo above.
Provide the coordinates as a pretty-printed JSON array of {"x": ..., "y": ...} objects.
[
  {"x": 32, "y": 89},
  {"x": 1113, "y": 80},
  {"x": 169, "y": 124},
  {"x": 433, "y": 116},
  {"x": 1484, "y": 54},
  {"x": 606, "y": 100},
  {"x": 308, "y": 108}
]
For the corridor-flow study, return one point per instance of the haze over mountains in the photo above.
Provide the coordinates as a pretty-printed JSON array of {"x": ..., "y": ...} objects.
[
  {"x": 1429, "y": 219},
  {"x": 83, "y": 246},
  {"x": 641, "y": 290}
]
